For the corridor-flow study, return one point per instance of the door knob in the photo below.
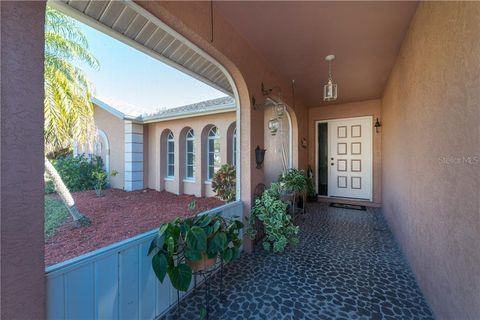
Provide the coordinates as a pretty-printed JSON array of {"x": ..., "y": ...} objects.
[{"x": 331, "y": 158}]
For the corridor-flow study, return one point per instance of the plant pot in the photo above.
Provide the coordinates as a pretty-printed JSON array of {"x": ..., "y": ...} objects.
[{"x": 203, "y": 264}]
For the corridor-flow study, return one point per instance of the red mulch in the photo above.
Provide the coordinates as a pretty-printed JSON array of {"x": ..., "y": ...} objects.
[{"x": 117, "y": 216}]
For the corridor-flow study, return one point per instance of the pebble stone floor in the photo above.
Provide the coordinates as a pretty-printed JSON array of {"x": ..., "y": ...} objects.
[{"x": 347, "y": 266}]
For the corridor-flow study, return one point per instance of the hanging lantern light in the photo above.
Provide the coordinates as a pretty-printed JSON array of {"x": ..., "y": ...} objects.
[
  {"x": 330, "y": 89},
  {"x": 280, "y": 109},
  {"x": 273, "y": 126}
]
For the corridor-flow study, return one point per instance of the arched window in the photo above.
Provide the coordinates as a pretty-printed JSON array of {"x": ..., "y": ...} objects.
[
  {"x": 214, "y": 160},
  {"x": 190, "y": 155},
  {"x": 234, "y": 147},
  {"x": 170, "y": 155}
]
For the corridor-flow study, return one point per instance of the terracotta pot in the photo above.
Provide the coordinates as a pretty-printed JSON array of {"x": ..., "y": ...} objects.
[{"x": 203, "y": 264}]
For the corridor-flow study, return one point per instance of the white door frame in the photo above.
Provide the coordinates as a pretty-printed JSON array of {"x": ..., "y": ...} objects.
[{"x": 328, "y": 174}]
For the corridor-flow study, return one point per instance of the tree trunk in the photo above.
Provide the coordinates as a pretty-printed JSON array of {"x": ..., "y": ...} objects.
[{"x": 79, "y": 219}]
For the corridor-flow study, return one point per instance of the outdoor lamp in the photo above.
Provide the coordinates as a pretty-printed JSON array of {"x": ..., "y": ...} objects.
[
  {"x": 330, "y": 89},
  {"x": 377, "y": 125},
  {"x": 259, "y": 156},
  {"x": 280, "y": 109},
  {"x": 273, "y": 126}
]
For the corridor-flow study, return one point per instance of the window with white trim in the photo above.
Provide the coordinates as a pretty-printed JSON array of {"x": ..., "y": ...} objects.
[
  {"x": 234, "y": 147},
  {"x": 214, "y": 160},
  {"x": 190, "y": 155},
  {"x": 170, "y": 155}
]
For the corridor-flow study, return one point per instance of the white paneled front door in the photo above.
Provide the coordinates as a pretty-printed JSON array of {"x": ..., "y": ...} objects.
[{"x": 350, "y": 158}]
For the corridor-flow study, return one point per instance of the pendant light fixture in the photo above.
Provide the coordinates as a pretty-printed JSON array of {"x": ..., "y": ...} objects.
[{"x": 330, "y": 89}]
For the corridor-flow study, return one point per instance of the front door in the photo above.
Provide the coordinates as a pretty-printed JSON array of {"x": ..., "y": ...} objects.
[{"x": 350, "y": 158}]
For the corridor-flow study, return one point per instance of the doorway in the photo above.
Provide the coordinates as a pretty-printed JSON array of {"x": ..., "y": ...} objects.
[{"x": 344, "y": 158}]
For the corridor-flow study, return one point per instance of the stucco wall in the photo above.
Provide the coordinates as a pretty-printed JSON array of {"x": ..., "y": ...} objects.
[
  {"x": 22, "y": 284},
  {"x": 431, "y": 155},
  {"x": 156, "y": 154},
  {"x": 350, "y": 110},
  {"x": 114, "y": 129}
]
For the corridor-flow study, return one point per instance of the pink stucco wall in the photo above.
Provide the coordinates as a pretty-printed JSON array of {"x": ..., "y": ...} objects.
[
  {"x": 114, "y": 129},
  {"x": 155, "y": 165},
  {"x": 431, "y": 155},
  {"x": 22, "y": 284}
]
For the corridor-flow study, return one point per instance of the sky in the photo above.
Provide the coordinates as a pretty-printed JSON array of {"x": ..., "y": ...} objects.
[{"x": 137, "y": 81}]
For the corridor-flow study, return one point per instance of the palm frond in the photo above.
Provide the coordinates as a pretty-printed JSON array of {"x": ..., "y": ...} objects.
[{"x": 67, "y": 105}]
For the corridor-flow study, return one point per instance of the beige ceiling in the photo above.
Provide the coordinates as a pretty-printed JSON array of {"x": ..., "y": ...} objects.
[{"x": 296, "y": 36}]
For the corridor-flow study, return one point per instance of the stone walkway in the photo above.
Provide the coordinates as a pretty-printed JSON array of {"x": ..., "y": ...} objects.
[{"x": 347, "y": 266}]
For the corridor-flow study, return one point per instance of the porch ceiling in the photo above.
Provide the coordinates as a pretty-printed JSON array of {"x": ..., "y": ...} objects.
[
  {"x": 294, "y": 37},
  {"x": 129, "y": 23}
]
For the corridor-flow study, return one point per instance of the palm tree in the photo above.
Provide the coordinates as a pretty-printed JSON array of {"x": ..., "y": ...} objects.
[{"x": 68, "y": 107}]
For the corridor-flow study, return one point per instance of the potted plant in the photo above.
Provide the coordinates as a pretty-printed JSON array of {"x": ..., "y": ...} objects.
[
  {"x": 294, "y": 181},
  {"x": 192, "y": 244},
  {"x": 272, "y": 212},
  {"x": 295, "y": 184},
  {"x": 224, "y": 182}
]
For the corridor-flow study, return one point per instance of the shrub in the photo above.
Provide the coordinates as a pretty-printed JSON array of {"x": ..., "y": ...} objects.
[
  {"x": 224, "y": 182},
  {"x": 77, "y": 172},
  {"x": 272, "y": 212},
  {"x": 100, "y": 178},
  {"x": 49, "y": 186}
]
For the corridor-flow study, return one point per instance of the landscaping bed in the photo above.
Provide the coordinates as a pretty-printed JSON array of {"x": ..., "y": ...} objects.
[{"x": 117, "y": 216}]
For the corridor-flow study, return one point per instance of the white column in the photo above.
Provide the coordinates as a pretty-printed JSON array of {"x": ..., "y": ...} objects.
[{"x": 133, "y": 156}]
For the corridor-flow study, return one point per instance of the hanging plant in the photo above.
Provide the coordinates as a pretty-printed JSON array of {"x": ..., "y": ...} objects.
[{"x": 294, "y": 181}]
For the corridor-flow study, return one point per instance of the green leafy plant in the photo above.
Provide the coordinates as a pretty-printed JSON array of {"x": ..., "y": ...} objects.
[
  {"x": 101, "y": 180},
  {"x": 294, "y": 181},
  {"x": 272, "y": 212},
  {"x": 77, "y": 172},
  {"x": 182, "y": 242},
  {"x": 224, "y": 182}
]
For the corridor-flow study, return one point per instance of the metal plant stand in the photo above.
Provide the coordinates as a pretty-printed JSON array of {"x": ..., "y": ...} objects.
[{"x": 206, "y": 275}]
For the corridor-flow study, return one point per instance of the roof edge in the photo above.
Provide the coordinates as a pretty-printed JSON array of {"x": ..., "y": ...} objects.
[
  {"x": 182, "y": 115},
  {"x": 159, "y": 118}
]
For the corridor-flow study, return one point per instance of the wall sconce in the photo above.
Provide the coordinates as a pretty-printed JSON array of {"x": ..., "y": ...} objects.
[
  {"x": 273, "y": 126},
  {"x": 259, "y": 156},
  {"x": 304, "y": 142},
  {"x": 377, "y": 126}
]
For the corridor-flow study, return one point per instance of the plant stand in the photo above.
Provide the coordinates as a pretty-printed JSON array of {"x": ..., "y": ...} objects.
[
  {"x": 292, "y": 199},
  {"x": 206, "y": 275}
]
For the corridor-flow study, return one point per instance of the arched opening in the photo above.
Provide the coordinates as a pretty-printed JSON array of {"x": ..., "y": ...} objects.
[
  {"x": 102, "y": 148},
  {"x": 279, "y": 144}
]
